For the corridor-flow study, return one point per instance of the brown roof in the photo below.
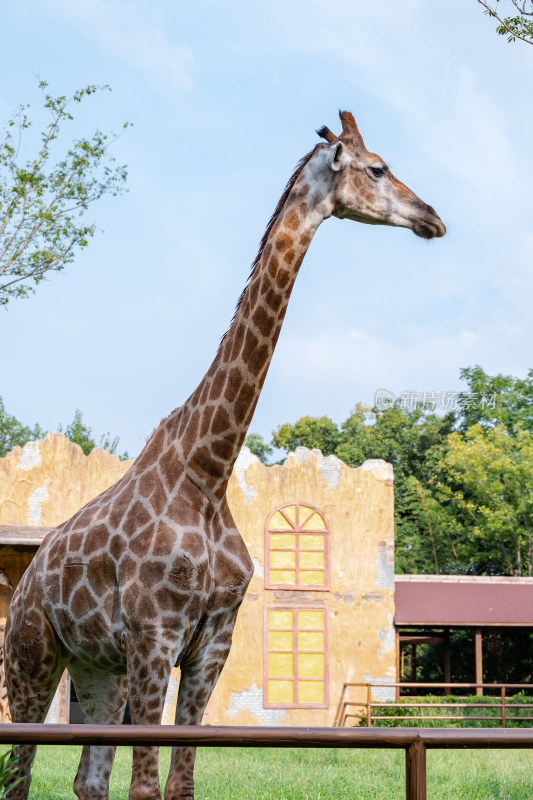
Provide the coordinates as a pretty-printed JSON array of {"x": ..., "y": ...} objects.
[{"x": 423, "y": 600}]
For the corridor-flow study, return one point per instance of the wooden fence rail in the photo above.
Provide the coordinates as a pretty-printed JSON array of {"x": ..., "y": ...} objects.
[
  {"x": 415, "y": 741},
  {"x": 503, "y": 709}
]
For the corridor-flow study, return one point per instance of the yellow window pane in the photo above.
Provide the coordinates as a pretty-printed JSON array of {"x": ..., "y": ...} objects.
[
  {"x": 310, "y": 665},
  {"x": 280, "y": 692},
  {"x": 311, "y": 692},
  {"x": 281, "y": 665},
  {"x": 314, "y": 541},
  {"x": 290, "y": 513},
  {"x": 282, "y": 558},
  {"x": 307, "y": 641},
  {"x": 279, "y": 618},
  {"x": 314, "y": 578},
  {"x": 312, "y": 559},
  {"x": 305, "y": 513},
  {"x": 315, "y": 523},
  {"x": 278, "y": 523},
  {"x": 310, "y": 619},
  {"x": 283, "y": 540},
  {"x": 279, "y": 640},
  {"x": 286, "y": 577}
]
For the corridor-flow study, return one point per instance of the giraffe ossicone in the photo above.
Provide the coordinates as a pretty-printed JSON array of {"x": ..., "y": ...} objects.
[{"x": 151, "y": 573}]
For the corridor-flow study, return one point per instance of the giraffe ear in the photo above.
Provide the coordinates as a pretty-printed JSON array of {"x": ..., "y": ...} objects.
[{"x": 336, "y": 157}]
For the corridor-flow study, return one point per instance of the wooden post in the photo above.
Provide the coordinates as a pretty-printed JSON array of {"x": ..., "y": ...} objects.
[
  {"x": 415, "y": 771},
  {"x": 368, "y": 706},
  {"x": 504, "y": 720},
  {"x": 447, "y": 661},
  {"x": 340, "y": 709},
  {"x": 479, "y": 661},
  {"x": 398, "y": 670}
]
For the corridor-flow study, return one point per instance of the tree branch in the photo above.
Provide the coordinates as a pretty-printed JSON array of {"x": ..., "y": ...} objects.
[
  {"x": 503, "y": 23},
  {"x": 522, "y": 9}
]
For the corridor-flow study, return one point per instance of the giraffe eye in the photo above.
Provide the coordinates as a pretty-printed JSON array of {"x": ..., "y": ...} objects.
[{"x": 378, "y": 172}]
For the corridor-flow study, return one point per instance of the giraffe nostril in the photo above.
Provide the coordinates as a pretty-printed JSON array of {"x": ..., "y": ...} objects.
[{"x": 431, "y": 210}]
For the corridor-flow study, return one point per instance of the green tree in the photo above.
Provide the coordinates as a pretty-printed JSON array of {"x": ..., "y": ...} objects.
[
  {"x": 14, "y": 433},
  {"x": 514, "y": 27},
  {"x": 43, "y": 200},
  {"x": 79, "y": 433},
  {"x": 497, "y": 399},
  {"x": 429, "y": 534},
  {"x": 258, "y": 447},
  {"x": 309, "y": 432},
  {"x": 487, "y": 479}
]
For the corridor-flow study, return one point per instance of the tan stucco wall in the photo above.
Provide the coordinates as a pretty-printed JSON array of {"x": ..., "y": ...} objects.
[
  {"x": 46, "y": 482},
  {"x": 358, "y": 506}
]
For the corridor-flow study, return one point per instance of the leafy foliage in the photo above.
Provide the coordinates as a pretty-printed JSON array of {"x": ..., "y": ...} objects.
[
  {"x": 491, "y": 717},
  {"x": 258, "y": 447},
  {"x": 309, "y": 432},
  {"x": 8, "y": 769},
  {"x": 500, "y": 399},
  {"x": 81, "y": 434},
  {"x": 42, "y": 204},
  {"x": 14, "y": 433},
  {"x": 487, "y": 476},
  {"x": 515, "y": 27}
]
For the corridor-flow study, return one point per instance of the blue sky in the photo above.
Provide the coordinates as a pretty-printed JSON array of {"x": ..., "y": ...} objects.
[{"x": 224, "y": 98}]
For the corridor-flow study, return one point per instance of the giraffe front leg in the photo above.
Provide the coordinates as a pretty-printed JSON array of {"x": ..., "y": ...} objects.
[
  {"x": 150, "y": 660},
  {"x": 199, "y": 673}
]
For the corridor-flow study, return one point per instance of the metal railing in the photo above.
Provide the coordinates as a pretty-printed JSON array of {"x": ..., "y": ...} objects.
[
  {"x": 415, "y": 741},
  {"x": 367, "y": 706}
]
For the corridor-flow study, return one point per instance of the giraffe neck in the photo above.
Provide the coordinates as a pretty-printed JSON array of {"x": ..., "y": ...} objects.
[{"x": 211, "y": 426}]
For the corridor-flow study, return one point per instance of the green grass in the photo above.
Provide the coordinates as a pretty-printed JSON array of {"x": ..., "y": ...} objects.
[{"x": 291, "y": 774}]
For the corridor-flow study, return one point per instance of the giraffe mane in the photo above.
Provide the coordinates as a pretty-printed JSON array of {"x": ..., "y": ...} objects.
[{"x": 272, "y": 221}]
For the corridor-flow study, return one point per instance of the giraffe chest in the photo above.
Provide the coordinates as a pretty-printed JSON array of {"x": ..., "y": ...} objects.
[{"x": 163, "y": 585}]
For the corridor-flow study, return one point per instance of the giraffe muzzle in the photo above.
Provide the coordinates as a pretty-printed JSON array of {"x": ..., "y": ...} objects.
[
  {"x": 429, "y": 225},
  {"x": 429, "y": 230}
]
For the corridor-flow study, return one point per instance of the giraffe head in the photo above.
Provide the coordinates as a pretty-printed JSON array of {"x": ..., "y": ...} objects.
[{"x": 363, "y": 188}]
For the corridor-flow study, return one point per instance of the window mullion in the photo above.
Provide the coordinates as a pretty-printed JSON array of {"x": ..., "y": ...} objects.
[{"x": 295, "y": 655}]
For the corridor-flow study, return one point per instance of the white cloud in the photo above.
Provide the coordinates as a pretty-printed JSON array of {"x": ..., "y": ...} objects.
[
  {"x": 353, "y": 364},
  {"x": 127, "y": 32}
]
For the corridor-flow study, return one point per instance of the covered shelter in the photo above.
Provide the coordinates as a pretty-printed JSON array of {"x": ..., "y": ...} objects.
[{"x": 428, "y": 607}]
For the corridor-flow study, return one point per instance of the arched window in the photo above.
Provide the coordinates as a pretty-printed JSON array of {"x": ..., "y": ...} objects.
[{"x": 296, "y": 548}]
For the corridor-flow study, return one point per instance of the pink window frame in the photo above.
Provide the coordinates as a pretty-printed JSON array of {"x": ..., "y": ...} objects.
[
  {"x": 298, "y": 532},
  {"x": 295, "y": 652}
]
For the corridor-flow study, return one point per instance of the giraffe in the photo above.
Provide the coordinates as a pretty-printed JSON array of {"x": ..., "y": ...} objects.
[{"x": 151, "y": 573}]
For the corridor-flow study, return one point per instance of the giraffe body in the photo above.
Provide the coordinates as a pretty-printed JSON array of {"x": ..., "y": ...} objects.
[{"x": 152, "y": 572}]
